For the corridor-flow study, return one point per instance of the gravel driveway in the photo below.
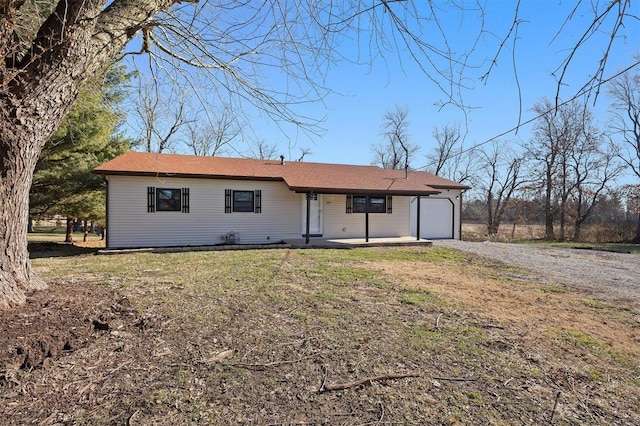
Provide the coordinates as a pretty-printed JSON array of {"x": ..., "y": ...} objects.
[{"x": 609, "y": 275}]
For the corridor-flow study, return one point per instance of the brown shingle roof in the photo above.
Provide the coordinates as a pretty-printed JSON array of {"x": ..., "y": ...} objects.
[{"x": 299, "y": 176}]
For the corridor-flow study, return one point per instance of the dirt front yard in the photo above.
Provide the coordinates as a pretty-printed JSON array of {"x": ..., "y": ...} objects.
[{"x": 335, "y": 337}]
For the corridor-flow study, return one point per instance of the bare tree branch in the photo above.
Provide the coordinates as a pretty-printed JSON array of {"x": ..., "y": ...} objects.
[
  {"x": 396, "y": 152},
  {"x": 215, "y": 137},
  {"x": 449, "y": 158},
  {"x": 263, "y": 150},
  {"x": 615, "y": 8}
]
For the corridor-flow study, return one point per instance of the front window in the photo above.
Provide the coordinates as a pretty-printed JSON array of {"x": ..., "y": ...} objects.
[
  {"x": 377, "y": 204},
  {"x": 243, "y": 201},
  {"x": 168, "y": 200}
]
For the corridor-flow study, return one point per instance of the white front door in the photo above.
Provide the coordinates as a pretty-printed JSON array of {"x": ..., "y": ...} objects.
[{"x": 315, "y": 215}]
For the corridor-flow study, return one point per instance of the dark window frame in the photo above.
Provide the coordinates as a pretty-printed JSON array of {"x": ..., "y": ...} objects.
[
  {"x": 377, "y": 204},
  {"x": 248, "y": 205},
  {"x": 172, "y": 204}
]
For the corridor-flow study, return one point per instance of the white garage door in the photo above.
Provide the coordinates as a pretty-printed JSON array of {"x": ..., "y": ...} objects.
[{"x": 436, "y": 218}]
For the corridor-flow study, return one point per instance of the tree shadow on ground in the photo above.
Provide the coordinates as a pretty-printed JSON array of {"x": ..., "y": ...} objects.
[{"x": 38, "y": 250}]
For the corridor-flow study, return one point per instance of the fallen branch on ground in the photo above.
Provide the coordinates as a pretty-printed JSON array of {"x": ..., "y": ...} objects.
[{"x": 326, "y": 387}]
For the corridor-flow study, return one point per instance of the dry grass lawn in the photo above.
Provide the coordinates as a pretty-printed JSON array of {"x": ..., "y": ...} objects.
[{"x": 336, "y": 337}]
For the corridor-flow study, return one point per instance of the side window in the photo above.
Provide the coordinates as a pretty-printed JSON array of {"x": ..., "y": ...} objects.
[
  {"x": 243, "y": 201},
  {"x": 167, "y": 200}
]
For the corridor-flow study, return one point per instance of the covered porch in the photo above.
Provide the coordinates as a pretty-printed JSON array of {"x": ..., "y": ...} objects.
[{"x": 361, "y": 217}]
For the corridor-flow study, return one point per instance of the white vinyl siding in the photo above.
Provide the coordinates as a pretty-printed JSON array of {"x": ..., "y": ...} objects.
[
  {"x": 339, "y": 224},
  {"x": 129, "y": 224}
]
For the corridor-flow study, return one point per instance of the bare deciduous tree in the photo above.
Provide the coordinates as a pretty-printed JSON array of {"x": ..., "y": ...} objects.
[
  {"x": 448, "y": 144},
  {"x": 303, "y": 153},
  {"x": 499, "y": 177},
  {"x": 625, "y": 92},
  {"x": 547, "y": 148},
  {"x": 160, "y": 118},
  {"x": 449, "y": 158},
  {"x": 592, "y": 169},
  {"x": 212, "y": 138},
  {"x": 396, "y": 152},
  {"x": 262, "y": 150},
  {"x": 632, "y": 195},
  {"x": 567, "y": 149}
]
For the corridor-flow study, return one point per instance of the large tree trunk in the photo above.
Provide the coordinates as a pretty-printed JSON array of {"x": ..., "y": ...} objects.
[
  {"x": 38, "y": 85},
  {"x": 68, "y": 238},
  {"x": 16, "y": 170},
  {"x": 636, "y": 239},
  {"x": 563, "y": 220},
  {"x": 548, "y": 212},
  {"x": 577, "y": 230}
]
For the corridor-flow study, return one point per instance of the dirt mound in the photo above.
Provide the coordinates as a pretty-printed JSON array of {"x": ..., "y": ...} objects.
[{"x": 58, "y": 321}]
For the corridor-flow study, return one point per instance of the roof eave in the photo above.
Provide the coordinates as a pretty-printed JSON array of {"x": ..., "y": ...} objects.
[
  {"x": 184, "y": 175},
  {"x": 460, "y": 186},
  {"x": 317, "y": 190}
]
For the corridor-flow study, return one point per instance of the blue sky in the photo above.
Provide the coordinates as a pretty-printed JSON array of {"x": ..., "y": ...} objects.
[{"x": 362, "y": 93}]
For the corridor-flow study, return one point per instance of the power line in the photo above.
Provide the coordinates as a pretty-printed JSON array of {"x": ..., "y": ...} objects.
[{"x": 584, "y": 91}]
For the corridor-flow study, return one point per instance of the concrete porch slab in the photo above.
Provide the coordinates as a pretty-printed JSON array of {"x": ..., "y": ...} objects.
[{"x": 356, "y": 242}]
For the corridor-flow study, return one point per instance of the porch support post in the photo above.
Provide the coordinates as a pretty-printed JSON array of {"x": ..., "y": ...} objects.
[
  {"x": 366, "y": 220},
  {"x": 105, "y": 228},
  {"x": 308, "y": 217},
  {"x": 418, "y": 218}
]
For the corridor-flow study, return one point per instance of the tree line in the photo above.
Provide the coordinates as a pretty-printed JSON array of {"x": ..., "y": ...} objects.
[{"x": 571, "y": 172}]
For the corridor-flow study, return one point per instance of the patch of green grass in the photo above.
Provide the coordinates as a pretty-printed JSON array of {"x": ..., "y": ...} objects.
[
  {"x": 600, "y": 305},
  {"x": 417, "y": 297},
  {"x": 426, "y": 336},
  {"x": 580, "y": 339},
  {"x": 595, "y": 374},
  {"x": 502, "y": 272},
  {"x": 470, "y": 339},
  {"x": 466, "y": 339},
  {"x": 474, "y": 395},
  {"x": 596, "y": 304},
  {"x": 402, "y": 254},
  {"x": 340, "y": 275},
  {"x": 594, "y": 347},
  {"x": 441, "y": 255},
  {"x": 347, "y": 275},
  {"x": 300, "y": 315},
  {"x": 552, "y": 288},
  {"x": 324, "y": 295}
]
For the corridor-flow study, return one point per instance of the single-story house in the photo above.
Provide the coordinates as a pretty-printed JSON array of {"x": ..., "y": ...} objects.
[{"x": 162, "y": 200}]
